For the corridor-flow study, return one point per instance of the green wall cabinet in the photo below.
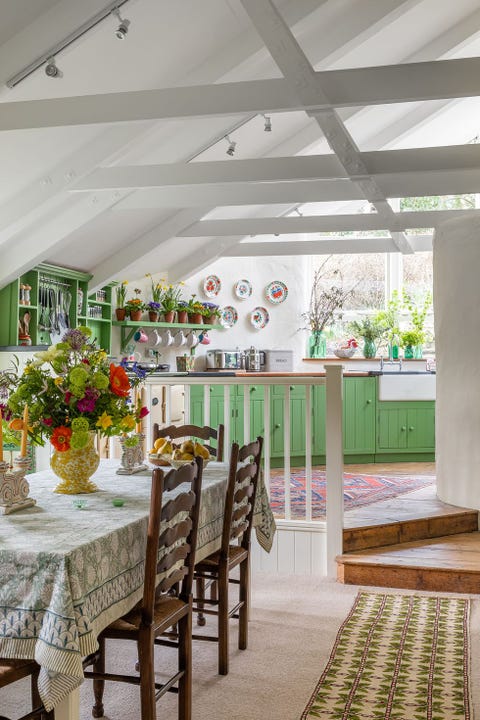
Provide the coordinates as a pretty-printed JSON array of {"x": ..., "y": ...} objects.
[{"x": 359, "y": 415}]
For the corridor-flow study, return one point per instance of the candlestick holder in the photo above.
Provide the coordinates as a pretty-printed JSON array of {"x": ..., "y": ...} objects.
[
  {"x": 132, "y": 460},
  {"x": 14, "y": 487}
]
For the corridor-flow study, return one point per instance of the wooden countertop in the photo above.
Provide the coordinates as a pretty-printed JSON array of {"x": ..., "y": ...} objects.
[{"x": 305, "y": 373}]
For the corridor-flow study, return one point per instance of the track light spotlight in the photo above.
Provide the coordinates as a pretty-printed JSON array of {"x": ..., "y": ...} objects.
[
  {"x": 51, "y": 68},
  {"x": 268, "y": 123},
  {"x": 231, "y": 146},
  {"x": 124, "y": 24}
]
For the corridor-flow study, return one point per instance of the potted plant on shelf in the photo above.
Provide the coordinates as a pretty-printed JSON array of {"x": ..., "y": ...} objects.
[
  {"x": 182, "y": 312},
  {"x": 418, "y": 314},
  {"x": 155, "y": 303},
  {"x": 170, "y": 300},
  {"x": 120, "y": 295},
  {"x": 195, "y": 310},
  {"x": 370, "y": 329},
  {"x": 326, "y": 303},
  {"x": 135, "y": 306},
  {"x": 211, "y": 313}
]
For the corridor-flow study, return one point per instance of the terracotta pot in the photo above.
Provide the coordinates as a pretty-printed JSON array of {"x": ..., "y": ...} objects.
[
  {"x": 136, "y": 315},
  {"x": 120, "y": 314},
  {"x": 182, "y": 316},
  {"x": 169, "y": 316},
  {"x": 196, "y": 318},
  {"x": 152, "y": 316},
  {"x": 210, "y": 319}
]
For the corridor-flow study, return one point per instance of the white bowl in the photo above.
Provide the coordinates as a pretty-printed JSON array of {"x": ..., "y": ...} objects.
[{"x": 347, "y": 352}]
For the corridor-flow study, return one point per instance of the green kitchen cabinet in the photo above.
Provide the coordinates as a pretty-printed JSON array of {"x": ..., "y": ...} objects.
[
  {"x": 406, "y": 427},
  {"x": 359, "y": 415},
  {"x": 217, "y": 409},
  {"x": 297, "y": 420}
]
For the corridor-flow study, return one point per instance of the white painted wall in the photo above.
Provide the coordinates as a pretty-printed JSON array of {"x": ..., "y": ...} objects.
[
  {"x": 456, "y": 264},
  {"x": 282, "y": 331}
]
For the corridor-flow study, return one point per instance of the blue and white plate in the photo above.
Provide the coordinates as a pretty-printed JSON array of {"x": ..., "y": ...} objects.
[{"x": 243, "y": 289}]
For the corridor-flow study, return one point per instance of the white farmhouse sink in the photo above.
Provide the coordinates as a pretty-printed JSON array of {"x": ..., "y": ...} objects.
[{"x": 399, "y": 386}]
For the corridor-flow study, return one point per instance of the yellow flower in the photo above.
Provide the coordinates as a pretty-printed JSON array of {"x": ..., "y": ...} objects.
[
  {"x": 128, "y": 422},
  {"x": 104, "y": 421},
  {"x": 47, "y": 355},
  {"x": 58, "y": 381}
]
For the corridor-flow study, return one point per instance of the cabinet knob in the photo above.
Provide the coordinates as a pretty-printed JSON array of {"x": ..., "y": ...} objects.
[
  {"x": 411, "y": 428},
  {"x": 253, "y": 389},
  {"x": 369, "y": 402},
  {"x": 292, "y": 387},
  {"x": 277, "y": 425},
  {"x": 403, "y": 428},
  {"x": 211, "y": 389}
]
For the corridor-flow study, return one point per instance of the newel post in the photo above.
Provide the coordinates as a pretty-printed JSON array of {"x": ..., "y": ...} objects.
[{"x": 334, "y": 469}]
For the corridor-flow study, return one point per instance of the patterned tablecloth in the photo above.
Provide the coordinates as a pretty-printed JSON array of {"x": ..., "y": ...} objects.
[{"x": 66, "y": 573}]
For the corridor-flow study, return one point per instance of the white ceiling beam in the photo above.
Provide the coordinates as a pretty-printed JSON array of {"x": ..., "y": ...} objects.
[
  {"x": 411, "y": 82},
  {"x": 296, "y": 68},
  {"x": 241, "y": 194},
  {"x": 323, "y": 223},
  {"x": 324, "y": 246},
  {"x": 279, "y": 169}
]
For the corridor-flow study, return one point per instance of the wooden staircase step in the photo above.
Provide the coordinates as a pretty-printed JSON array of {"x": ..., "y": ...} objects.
[
  {"x": 449, "y": 563},
  {"x": 391, "y": 533}
]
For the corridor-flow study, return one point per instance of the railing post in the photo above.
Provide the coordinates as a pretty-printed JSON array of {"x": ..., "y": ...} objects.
[{"x": 334, "y": 469}]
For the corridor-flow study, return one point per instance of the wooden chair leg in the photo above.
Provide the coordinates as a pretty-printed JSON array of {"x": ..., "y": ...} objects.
[
  {"x": 244, "y": 593},
  {"x": 200, "y": 591},
  {"x": 98, "y": 683},
  {"x": 185, "y": 664},
  {"x": 223, "y": 621},
  {"x": 147, "y": 675}
]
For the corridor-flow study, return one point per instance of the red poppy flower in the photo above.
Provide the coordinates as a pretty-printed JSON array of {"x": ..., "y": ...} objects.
[
  {"x": 119, "y": 382},
  {"x": 144, "y": 411},
  {"x": 61, "y": 438}
]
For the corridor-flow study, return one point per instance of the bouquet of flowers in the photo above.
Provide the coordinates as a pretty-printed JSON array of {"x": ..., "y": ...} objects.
[{"x": 71, "y": 389}]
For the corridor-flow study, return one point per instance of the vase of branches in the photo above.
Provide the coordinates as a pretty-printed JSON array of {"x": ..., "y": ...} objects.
[{"x": 327, "y": 299}]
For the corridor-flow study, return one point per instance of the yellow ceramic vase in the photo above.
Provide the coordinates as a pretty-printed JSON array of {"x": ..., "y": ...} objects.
[{"x": 75, "y": 467}]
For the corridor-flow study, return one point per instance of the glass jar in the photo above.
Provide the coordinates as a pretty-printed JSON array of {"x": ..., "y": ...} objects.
[
  {"x": 317, "y": 345},
  {"x": 369, "y": 348}
]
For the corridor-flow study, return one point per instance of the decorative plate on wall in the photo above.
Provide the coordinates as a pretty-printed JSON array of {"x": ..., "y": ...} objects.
[
  {"x": 243, "y": 289},
  {"x": 276, "y": 292},
  {"x": 229, "y": 316},
  {"x": 212, "y": 286},
  {"x": 259, "y": 317}
]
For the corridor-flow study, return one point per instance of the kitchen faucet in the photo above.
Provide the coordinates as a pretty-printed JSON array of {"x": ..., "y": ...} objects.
[{"x": 391, "y": 362}]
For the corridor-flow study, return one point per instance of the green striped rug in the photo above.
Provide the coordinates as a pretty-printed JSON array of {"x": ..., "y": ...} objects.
[{"x": 397, "y": 657}]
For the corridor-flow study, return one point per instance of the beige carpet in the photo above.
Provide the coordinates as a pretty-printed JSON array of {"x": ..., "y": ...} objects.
[{"x": 291, "y": 636}]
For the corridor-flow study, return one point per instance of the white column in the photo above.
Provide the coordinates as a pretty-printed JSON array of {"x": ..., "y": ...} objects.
[{"x": 456, "y": 294}]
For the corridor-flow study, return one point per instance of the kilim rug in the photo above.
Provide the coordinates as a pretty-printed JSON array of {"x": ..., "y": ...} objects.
[
  {"x": 359, "y": 490},
  {"x": 397, "y": 657}
]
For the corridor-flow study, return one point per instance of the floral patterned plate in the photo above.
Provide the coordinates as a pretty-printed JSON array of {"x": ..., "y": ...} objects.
[
  {"x": 259, "y": 317},
  {"x": 229, "y": 316},
  {"x": 276, "y": 292},
  {"x": 212, "y": 286},
  {"x": 243, "y": 289}
]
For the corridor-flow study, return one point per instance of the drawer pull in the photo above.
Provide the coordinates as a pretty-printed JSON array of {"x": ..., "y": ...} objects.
[
  {"x": 403, "y": 428},
  {"x": 411, "y": 428},
  {"x": 369, "y": 402}
]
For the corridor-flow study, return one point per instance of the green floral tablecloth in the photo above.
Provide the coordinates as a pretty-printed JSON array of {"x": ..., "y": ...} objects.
[{"x": 65, "y": 573}]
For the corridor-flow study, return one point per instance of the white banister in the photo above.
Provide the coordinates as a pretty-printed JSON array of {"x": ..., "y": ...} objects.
[
  {"x": 266, "y": 434},
  {"x": 308, "y": 452},
  {"x": 334, "y": 469},
  {"x": 286, "y": 451}
]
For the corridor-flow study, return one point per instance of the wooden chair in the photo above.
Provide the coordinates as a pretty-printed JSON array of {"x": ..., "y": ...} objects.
[
  {"x": 13, "y": 670},
  {"x": 204, "y": 433},
  {"x": 235, "y": 551},
  {"x": 167, "y": 596}
]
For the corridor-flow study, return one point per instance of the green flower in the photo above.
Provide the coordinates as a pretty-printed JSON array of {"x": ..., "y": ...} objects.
[
  {"x": 131, "y": 441},
  {"x": 79, "y": 440},
  {"x": 80, "y": 424},
  {"x": 100, "y": 381},
  {"x": 78, "y": 376}
]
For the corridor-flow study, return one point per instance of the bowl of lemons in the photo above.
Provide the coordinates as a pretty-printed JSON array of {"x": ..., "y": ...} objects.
[
  {"x": 167, "y": 453},
  {"x": 161, "y": 453}
]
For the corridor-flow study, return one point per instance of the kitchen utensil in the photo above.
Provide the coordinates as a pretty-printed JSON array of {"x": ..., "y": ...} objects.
[{"x": 254, "y": 359}]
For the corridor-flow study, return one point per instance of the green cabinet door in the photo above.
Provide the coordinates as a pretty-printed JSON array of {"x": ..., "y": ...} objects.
[
  {"x": 297, "y": 421},
  {"x": 359, "y": 415},
  {"x": 406, "y": 426}
]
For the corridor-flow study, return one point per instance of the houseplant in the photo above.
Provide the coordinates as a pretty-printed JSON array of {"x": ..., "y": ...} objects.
[
  {"x": 153, "y": 308},
  {"x": 72, "y": 392},
  {"x": 370, "y": 329},
  {"x": 211, "y": 313},
  {"x": 196, "y": 310},
  {"x": 326, "y": 303},
  {"x": 410, "y": 339},
  {"x": 418, "y": 315},
  {"x": 120, "y": 296},
  {"x": 155, "y": 304},
  {"x": 135, "y": 306},
  {"x": 170, "y": 300}
]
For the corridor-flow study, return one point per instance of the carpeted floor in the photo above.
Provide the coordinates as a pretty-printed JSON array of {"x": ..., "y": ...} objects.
[
  {"x": 292, "y": 631},
  {"x": 359, "y": 490}
]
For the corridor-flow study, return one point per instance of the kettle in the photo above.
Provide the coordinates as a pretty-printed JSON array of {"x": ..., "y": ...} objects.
[{"x": 253, "y": 360}]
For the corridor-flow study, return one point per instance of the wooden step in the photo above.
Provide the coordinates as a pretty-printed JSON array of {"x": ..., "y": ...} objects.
[
  {"x": 392, "y": 533},
  {"x": 448, "y": 563}
]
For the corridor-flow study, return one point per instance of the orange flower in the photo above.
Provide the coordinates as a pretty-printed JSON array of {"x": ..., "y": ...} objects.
[
  {"x": 119, "y": 382},
  {"x": 61, "y": 438},
  {"x": 16, "y": 424}
]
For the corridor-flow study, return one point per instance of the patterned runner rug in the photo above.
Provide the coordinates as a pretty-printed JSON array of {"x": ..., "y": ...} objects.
[
  {"x": 397, "y": 657},
  {"x": 359, "y": 490}
]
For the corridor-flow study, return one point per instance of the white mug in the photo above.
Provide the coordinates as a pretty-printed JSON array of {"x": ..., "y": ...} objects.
[
  {"x": 167, "y": 338},
  {"x": 154, "y": 339},
  {"x": 192, "y": 340},
  {"x": 179, "y": 340}
]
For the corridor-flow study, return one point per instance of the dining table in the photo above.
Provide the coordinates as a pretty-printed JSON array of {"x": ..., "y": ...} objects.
[{"x": 70, "y": 565}]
